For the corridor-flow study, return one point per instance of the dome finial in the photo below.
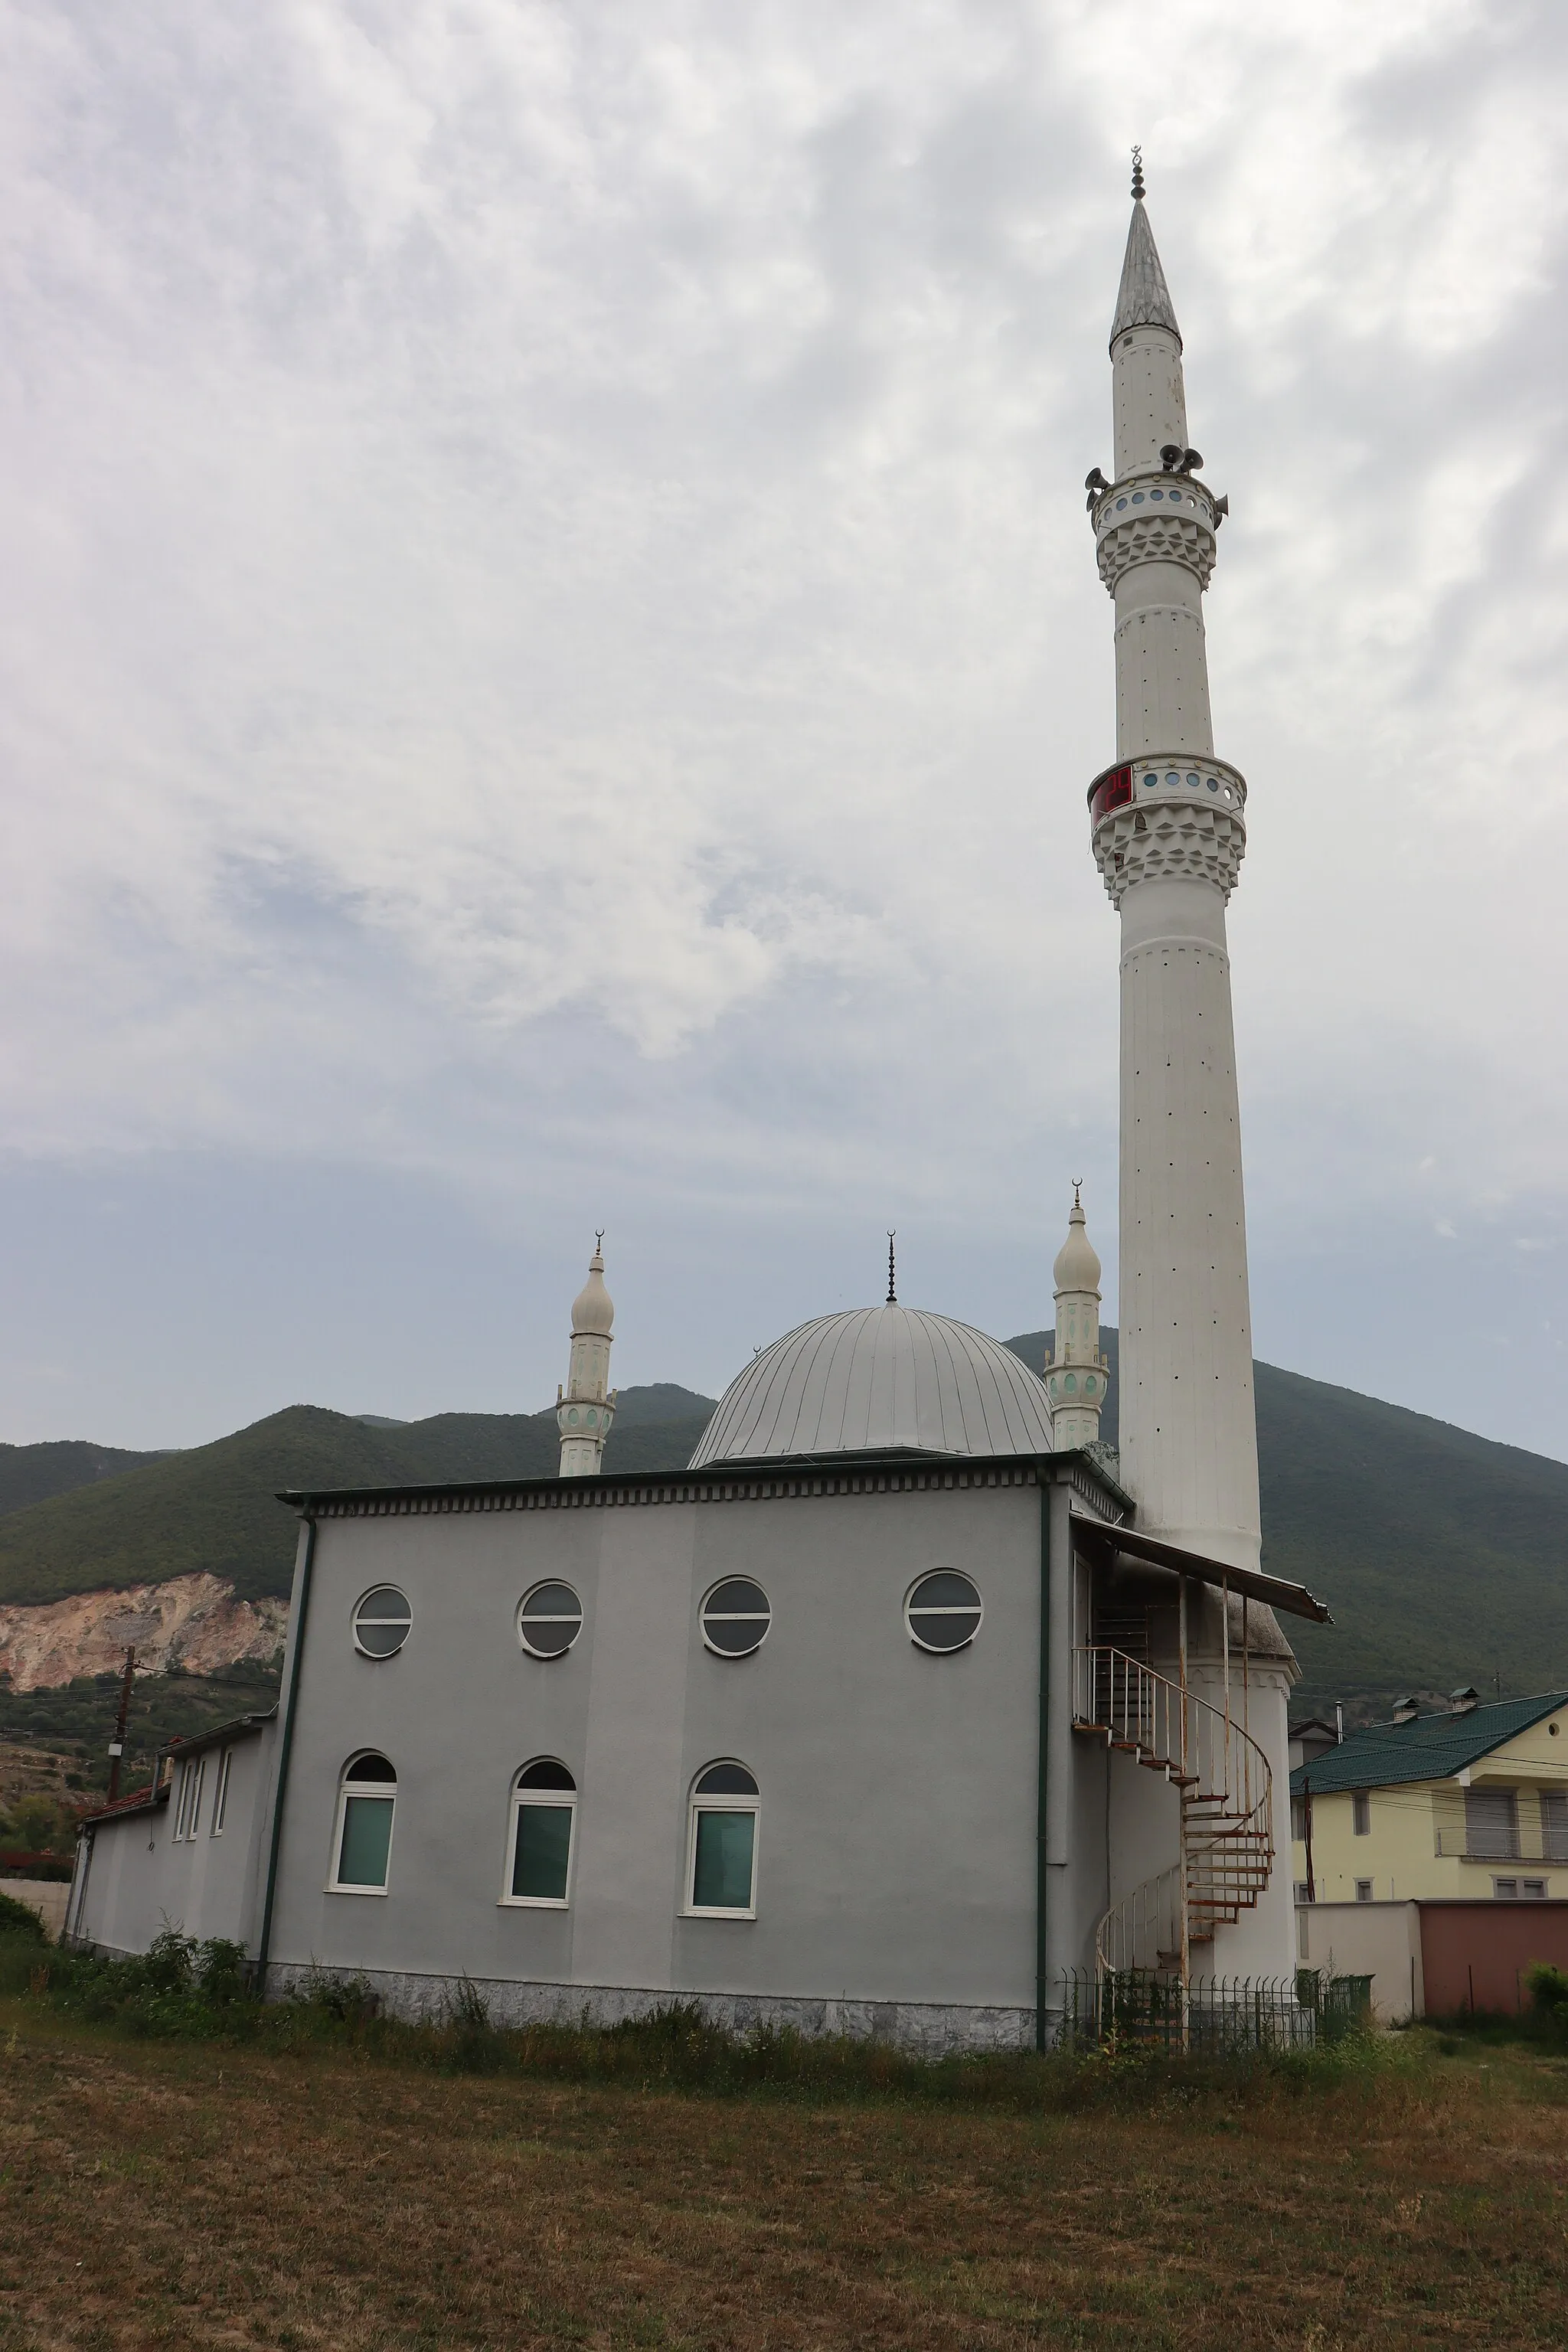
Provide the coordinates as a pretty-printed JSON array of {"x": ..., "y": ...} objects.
[
  {"x": 1138, "y": 175},
  {"x": 1077, "y": 1193},
  {"x": 893, "y": 1289}
]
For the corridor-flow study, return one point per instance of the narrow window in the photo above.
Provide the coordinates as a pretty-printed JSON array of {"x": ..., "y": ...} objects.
[
  {"x": 220, "y": 1794},
  {"x": 187, "y": 1801},
  {"x": 1299, "y": 1820},
  {"x": 200, "y": 1771},
  {"x": 1361, "y": 1812},
  {"x": 1300, "y": 1891},
  {"x": 942, "y": 1611},
  {"x": 1533, "y": 1890},
  {"x": 362, "y": 1847},
  {"x": 721, "y": 1868},
  {"x": 1554, "y": 1824},
  {"x": 545, "y": 1810},
  {"x": 1506, "y": 1889},
  {"x": 1491, "y": 1825},
  {"x": 1363, "y": 1890}
]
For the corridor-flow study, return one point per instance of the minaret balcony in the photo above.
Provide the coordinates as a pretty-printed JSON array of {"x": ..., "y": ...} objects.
[
  {"x": 1163, "y": 776},
  {"x": 1156, "y": 518}
]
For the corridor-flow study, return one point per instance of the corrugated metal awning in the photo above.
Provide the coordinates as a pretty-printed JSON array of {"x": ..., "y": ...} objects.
[{"x": 1294, "y": 1599}]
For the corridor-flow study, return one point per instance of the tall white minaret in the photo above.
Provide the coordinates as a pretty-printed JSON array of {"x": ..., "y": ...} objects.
[
  {"x": 585, "y": 1408},
  {"x": 1076, "y": 1374},
  {"x": 1168, "y": 834}
]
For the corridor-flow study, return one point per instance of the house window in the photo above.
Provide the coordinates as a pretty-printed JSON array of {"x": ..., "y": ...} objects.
[
  {"x": 1506, "y": 1889},
  {"x": 381, "y": 1623},
  {"x": 735, "y": 1617},
  {"x": 722, "y": 1865},
  {"x": 549, "y": 1620},
  {"x": 1299, "y": 1820},
  {"x": 1363, "y": 1890},
  {"x": 362, "y": 1844},
  {"x": 1554, "y": 1824},
  {"x": 1533, "y": 1890},
  {"x": 188, "y": 1804},
  {"x": 220, "y": 1794},
  {"x": 1491, "y": 1825},
  {"x": 1360, "y": 1813},
  {"x": 1300, "y": 1890},
  {"x": 943, "y": 1611},
  {"x": 544, "y": 1808}
]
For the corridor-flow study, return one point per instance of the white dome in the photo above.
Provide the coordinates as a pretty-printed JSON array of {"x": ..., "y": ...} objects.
[
  {"x": 1077, "y": 1267},
  {"x": 877, "y": 1376},
  {"x": 592, "y": 1310}
]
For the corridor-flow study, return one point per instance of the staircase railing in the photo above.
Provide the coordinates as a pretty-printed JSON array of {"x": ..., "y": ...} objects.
[{"x": 1226, "y": 1798}]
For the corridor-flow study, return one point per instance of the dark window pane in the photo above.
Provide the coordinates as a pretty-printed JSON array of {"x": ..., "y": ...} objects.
[
  {"x": 370, "y": 1768},
  {"x": 726, "y": 1780},
  {"x": 367, "y": 1838},
  {"x": 945, "y": 1629},
  {"x": 551, "y": 1620},
  {"x": 543, "y": 1851},
  {"x": 944, "y": 1588},
  {"x": 722, "y": 1878},
  {"x": 552, "y": 1600},
  {"x": 734, "y": 1635},
  {"x": 737, "y": 1596},
  {"x": 545, "y": 1773}
]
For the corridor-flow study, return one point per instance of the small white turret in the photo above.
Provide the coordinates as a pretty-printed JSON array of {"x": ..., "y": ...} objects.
[
  {"x": 1076, "y": 1371},
  {"x": 585, "y": 1408}
]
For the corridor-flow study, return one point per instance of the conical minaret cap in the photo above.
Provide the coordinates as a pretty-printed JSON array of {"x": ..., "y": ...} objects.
[
  {"x": 593, "y": 1310},
  {"x": 1144, "y": 299},
  {"x": 1077, "y": 1267}
]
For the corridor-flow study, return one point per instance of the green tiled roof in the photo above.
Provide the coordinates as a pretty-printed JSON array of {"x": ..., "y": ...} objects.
[{"x": 1427, "y": 1747}]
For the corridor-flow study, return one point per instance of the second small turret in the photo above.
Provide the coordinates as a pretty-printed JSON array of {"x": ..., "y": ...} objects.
[
  {"x": 1076, "y": 1371},
  {"x": 585, "y": 1408}
]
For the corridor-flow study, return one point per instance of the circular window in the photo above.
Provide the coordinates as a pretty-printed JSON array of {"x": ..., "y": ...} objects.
[
  {"x": 736, "y": 1617},
  {"x": 1149, "y": 782},
  {"x": 943, "y": 1611},
  {"x": 381, "y": 1623},
  {"x": 549, "y": 1621}
]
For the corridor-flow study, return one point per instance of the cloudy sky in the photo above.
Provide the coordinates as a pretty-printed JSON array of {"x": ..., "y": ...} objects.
[{"x": 552, "y": 655}]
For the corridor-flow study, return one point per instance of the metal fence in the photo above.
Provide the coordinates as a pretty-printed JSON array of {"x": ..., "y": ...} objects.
[{"x": 1150, "y": 2010}]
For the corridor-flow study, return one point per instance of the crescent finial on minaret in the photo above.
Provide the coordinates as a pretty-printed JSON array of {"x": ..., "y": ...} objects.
[{"x": 1138, "y": 175}]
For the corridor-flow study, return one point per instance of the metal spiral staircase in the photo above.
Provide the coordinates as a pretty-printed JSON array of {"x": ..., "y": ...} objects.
[{"x": 1226, "y": 1787}]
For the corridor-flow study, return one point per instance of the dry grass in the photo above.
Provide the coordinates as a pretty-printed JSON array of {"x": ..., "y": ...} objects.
[{"x": 194, "y": 2195}]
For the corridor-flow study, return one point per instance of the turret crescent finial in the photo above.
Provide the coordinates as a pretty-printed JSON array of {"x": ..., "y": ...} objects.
[
  {"x": 892, "y": 1291},
  {"x": 1138, "y": 175}
]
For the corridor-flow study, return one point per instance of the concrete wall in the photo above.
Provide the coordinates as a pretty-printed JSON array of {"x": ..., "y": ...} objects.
[
  {"x": 46, "y": 1896},
  {"x": 1382, "y": 1940},
  {"x": 896, "y": 1845},
  {"x": 134, "y": 1878}
]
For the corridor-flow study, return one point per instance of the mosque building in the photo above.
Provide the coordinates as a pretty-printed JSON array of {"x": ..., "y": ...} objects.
[{"x": 906, "y": 1707}]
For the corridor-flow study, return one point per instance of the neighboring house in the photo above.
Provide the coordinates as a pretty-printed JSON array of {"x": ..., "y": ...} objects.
[
  {"x": 1464, "y": 1802},
  {"x": 184, "y": 1854}
]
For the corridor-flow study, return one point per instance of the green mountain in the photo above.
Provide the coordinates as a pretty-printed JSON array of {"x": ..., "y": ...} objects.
[
  {"x": 1443, "y": 1556},
  {"x": 31, "y": 1474}
]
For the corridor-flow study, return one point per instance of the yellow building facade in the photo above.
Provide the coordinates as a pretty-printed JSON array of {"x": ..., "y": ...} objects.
[{"x": 1463, "y": 1802}]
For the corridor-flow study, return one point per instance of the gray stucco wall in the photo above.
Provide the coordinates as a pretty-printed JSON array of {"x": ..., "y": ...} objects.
[{"x": 896, "y": 1841}]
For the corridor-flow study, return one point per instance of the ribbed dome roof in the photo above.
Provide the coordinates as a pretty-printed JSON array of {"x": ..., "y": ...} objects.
[{"x": 875, "y": 1376}]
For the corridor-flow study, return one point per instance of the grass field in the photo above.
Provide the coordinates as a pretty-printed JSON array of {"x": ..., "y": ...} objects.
[{"x": 195, "y": 2194}]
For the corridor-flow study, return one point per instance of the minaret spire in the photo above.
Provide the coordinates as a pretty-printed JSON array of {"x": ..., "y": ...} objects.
[
  {"x": 1076, "y": 1372},
  {"x": 585, "y": 1408}
]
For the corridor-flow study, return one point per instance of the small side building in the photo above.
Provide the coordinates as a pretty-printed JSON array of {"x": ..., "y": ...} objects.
[{"x": 185, "y": 1852}]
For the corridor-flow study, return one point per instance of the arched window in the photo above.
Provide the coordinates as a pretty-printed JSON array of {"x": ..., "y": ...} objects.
[
  {"x": 721, "y": 1867},
  {"x": 543, "y": 1813},
  {"x": 362, "y": 1841}
]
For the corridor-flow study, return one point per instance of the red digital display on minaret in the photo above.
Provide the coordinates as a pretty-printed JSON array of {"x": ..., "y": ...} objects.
[{"x": 1112, "y": 790}]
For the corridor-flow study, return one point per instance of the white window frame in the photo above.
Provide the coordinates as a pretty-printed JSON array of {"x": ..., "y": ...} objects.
[
  {"x": 734, "y": 1617},
  {"x": 381, "y": 1657},
  {"x": 550, "y": 1657},
  {"x": 956, "y": 1649},
  {"x": 691, "y": 1908},
  {"x": 1369, "y": 1897},
  {"x": 1361, "y": 1812},
  {"x": 564, "y": 1800},
  {"x": 220, "y": 1794},
  {"x": 188, "y": 1798},
  {"x": 387, "y": 1791},
  {"x": 1532, "y": 1890},
  {"x": 1505, "y": 1890}
]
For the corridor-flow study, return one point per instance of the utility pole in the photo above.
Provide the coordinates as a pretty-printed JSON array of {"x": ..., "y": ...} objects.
[{"x": 117, "y": 1744}]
